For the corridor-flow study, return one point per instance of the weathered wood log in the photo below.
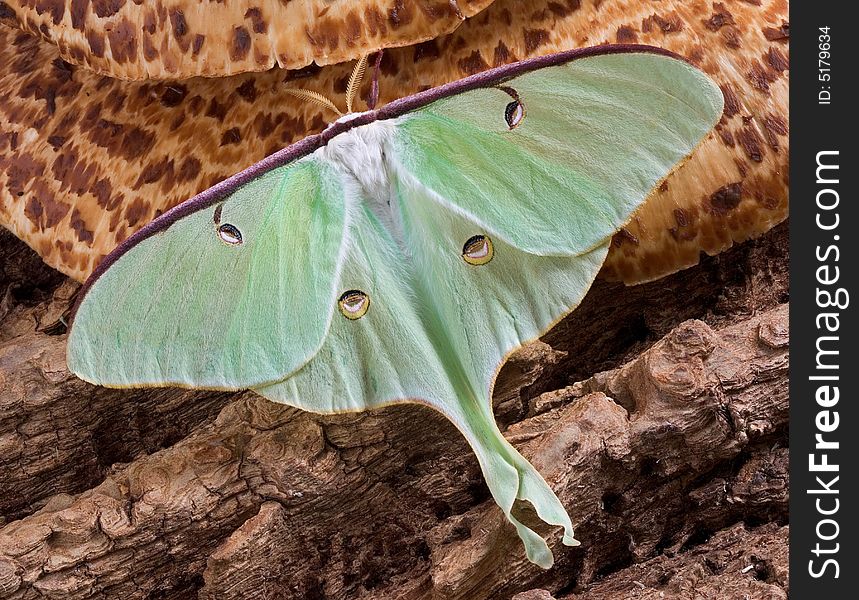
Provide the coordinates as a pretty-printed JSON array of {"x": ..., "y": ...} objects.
[
  {"x": 658, "y": 413},
  {"x": 738, "y": 562}
]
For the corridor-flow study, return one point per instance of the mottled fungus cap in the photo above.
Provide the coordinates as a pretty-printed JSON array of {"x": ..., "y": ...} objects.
[
  {"x": 86, "y": 160},
  {"x": 175, "y": 39}
]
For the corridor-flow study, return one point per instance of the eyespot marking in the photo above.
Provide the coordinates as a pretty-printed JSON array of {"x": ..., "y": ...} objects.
[
  {"x": 354, "y": 304},
  {"x": 230, "y": 234},
  {"x": 477, "y": 250},
  {"x": 514, "y": 112}
]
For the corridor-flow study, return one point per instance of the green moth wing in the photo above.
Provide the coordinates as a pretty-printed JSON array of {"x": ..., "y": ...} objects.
[
  {"x": 400, "y": 255},
  {"x": 556, "y": 160},
  {"x": 439, "y": 339},
  {"x": 222, "y": 298}
]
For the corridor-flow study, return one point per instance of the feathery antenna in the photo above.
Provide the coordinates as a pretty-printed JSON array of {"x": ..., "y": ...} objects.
[
  {"x": 313, "y": 98},
  {"x": 351, "y": 89},
  {"x": 355, "y": 82}
]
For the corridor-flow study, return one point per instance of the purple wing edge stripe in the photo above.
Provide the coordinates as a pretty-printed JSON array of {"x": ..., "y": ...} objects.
[{"x": 312, "y": 143}]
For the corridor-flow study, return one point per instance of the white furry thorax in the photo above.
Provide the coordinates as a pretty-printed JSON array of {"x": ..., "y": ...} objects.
[
  {"x": 363, "y": 155},
  {"x": 360, "y": 152}
]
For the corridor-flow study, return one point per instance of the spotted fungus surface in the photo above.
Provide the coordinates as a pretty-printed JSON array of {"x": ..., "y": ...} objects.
[
  {"x": 172, "y": 39},
  {"x": 86, "y": 160}
]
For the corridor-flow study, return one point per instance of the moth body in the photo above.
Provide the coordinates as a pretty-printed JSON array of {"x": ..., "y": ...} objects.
[
  {"x": 403, "y": 253},
  {"x": 363, "y": 155}
]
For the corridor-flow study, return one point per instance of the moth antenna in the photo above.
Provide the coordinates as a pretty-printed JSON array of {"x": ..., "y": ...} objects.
[
  {"x": 314, "y": 98},
  {"x": 355, "y": 80},
  {"x": 374, "y": 85}
]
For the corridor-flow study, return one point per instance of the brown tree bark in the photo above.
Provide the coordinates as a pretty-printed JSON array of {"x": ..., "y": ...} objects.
[{"x": 658, "y": 413}]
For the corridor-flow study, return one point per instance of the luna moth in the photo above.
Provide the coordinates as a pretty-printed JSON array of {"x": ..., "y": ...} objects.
[{"x": 401, "y": 254}]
